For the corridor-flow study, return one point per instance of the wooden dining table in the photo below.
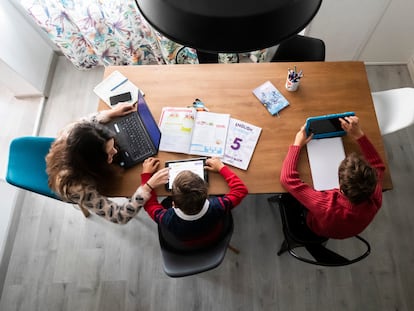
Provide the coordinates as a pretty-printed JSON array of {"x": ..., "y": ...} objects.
[{"x": 326, "y": 88}]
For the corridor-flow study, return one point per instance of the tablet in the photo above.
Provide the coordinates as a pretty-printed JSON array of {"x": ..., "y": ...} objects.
[
  {"x": 326, "y": 126},
  {"x": 196, "y": 165}
]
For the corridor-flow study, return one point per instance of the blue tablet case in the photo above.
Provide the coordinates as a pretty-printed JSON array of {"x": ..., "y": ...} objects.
[{"x": 326, "y": 126}]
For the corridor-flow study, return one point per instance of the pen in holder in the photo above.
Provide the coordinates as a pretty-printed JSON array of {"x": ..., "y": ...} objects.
[{"x": 293, "y": 79}]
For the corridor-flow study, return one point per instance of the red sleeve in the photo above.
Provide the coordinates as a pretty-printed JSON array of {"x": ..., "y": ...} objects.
[
  {"x": 238, "y": 189},
  {"x": 152, "y": 207},
  {"x": 372, "y": 156},
  {"x": 289, "y": 178}
]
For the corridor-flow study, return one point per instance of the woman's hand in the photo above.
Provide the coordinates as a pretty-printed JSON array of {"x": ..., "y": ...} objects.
[
  {"x": 159, "y": 178},
  {"x": 300, "y": 138},
  {"x": 120, "y": 110},
  {"x": 214, "y": 164}
]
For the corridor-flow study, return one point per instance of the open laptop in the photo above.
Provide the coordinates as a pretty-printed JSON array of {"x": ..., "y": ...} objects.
[{"x": 137, "y": 134}]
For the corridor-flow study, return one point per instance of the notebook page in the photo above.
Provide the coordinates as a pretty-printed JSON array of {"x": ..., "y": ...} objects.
[{"x": 325, "y": 155}]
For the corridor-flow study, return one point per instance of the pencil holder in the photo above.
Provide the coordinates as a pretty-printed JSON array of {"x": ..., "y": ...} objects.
[{"x": 292, "y": 84}]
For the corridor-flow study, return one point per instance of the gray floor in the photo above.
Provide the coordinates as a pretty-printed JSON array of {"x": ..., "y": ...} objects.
[{"x": 62, "y": 261}]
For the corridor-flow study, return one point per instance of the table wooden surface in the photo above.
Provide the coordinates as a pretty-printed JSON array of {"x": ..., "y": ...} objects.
[{"x": 327, "y": 87}]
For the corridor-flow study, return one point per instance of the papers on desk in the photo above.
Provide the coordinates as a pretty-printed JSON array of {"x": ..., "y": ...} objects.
[
  {"x": 116, "y": 83},
  {"x": 325, "y": 155},
  {"x": 186, "y": 130}
]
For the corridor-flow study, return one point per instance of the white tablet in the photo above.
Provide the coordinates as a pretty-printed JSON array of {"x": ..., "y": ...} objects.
[{"x": 196, "y": 165}]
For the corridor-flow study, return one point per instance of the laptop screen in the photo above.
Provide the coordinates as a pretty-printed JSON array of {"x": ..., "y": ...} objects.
[{"x": 148, "y": 120}]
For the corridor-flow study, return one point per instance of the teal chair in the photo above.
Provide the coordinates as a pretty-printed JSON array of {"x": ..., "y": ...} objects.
[{"x": 26, "y": 167}]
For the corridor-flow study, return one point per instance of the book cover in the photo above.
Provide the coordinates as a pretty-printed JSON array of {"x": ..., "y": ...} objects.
[
  {"x": 270, "y": 97},
  {"x": 242, "y": 138}
]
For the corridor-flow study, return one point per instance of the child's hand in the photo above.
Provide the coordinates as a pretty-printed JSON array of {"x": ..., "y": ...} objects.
[
  {"x": 150, "y": 165},
  {"x": 214, "y": 164},
  {"x": 300, "y": 138},
  {"x": 351, "y": 126}
]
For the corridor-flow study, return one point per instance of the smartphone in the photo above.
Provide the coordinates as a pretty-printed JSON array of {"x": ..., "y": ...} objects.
[
  {"x": 124, "y": 97},
  {"x": 326, "y": 126}
]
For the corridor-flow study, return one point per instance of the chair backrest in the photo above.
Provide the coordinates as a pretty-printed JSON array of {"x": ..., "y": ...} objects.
[
  {"x": 26, "y": 166},
  {"x": 179, "y": 261},
  {"x": 297, "y": 234},
  {"x": 300, "y": 48},
  {"x": 394, "y": 109}
]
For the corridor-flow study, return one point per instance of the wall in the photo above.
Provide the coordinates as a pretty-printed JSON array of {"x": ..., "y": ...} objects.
[
  {"x": 373, "y": 31},
  {"x": 393, "y": 38},
  {"x": 24, "y": 54}
]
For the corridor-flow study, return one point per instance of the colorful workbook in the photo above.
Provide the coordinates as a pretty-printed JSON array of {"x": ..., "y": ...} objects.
[
  {"x": 185, "y": 130},
  {"x": 270, "y": 97},
  {"x": 242, "y": 138}
]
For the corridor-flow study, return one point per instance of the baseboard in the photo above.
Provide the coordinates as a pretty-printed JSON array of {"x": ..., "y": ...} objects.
[
  {"x": 51, "y": 73},
  {"x": 384, "y": 63},
  {"x": 10, "y": 236},
  {"x": 410, "y": 67}
]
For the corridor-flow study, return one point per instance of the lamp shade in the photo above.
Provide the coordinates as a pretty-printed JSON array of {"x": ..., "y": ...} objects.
[{"x": 228, "y": 26}]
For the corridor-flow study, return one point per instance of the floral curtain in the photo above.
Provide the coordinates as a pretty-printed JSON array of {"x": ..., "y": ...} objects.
[{"x": 108, "y": 32}]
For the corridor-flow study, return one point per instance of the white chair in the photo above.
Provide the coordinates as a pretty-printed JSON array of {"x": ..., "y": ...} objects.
[{"x": 394, "y": 109}]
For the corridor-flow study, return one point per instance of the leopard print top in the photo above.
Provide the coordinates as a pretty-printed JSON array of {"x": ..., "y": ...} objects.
[
  {"x": 89, "y": 197},
  {"x": 103, "y": 206}
]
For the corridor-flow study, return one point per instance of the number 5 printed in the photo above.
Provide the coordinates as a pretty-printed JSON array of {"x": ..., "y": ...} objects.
[{"x": 236, "y": 143}]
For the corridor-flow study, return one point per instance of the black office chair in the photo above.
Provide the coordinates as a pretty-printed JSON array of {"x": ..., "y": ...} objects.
[
  {"x": 180, "y": 260},
  {"x": 298, "y": 235},
  {"x": 300, "y": 49},
  {"x": 207, "y": 58}
]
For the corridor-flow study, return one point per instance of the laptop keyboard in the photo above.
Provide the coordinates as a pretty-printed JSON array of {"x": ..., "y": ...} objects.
[{"x": 140, "y": 143}]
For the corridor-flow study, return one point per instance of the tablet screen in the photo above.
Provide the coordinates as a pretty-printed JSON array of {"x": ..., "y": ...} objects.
[
  {"x": 195, "y": 165},
  {"x": 325, "y": 126}
]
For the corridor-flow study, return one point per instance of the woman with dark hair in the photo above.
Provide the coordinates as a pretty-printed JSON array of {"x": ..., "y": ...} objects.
[{"x": 82, "y": 164}]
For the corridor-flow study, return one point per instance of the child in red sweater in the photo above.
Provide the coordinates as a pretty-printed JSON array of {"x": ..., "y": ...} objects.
[{"x": 347, "y": 211}]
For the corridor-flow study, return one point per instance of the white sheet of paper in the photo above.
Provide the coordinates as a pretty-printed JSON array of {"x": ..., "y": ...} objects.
[
  {"x": 325, "y": 155},
  {"x": 116, "y": 83}
]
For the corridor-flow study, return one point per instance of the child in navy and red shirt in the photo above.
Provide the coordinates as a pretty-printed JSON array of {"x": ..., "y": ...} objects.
[{"x": 194, "y": 217}]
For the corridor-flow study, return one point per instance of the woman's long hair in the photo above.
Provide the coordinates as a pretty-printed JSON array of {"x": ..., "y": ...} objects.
[{"x": 80, "y": 160}]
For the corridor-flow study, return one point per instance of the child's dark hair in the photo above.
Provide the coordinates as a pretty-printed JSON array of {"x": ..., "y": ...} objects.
[
  {"x": 357, "y": 179},
  {"x": 189, "y": 192}
]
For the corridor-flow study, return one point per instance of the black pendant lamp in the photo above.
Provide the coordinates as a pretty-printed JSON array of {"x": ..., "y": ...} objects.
[{"x": 228, "y": 26}]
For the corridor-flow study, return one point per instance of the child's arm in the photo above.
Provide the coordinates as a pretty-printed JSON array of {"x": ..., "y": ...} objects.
[
  {"x": 149, "y": 182},
  {"x": 238, "y": 189}
]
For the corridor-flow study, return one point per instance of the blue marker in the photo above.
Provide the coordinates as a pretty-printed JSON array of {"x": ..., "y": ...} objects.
[{"x": 119, "y": 84}]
